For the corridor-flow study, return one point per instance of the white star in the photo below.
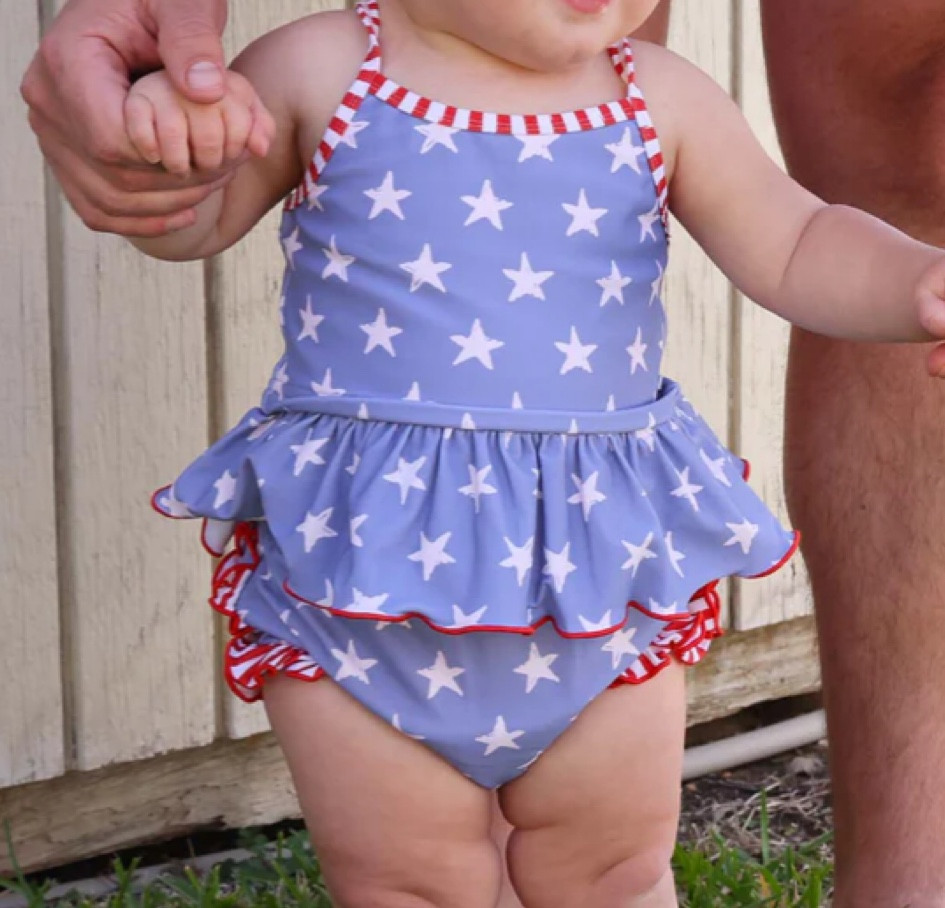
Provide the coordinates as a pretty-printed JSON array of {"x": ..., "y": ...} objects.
[
  {"x": 674, "y": 556},
  {"x": 363, "y": 411},
  {"x": 517, "y": 401},
  {"x": 315, "y": 196},
  {"x": 440, "y": 675},
  {"x": 500, "y": 737},
  {"x": 324, "y": 387},
  {"x": 619, "y": 646},
  {"x": 350, "y": 132},
  {"x": 591, "y": 627},
  {"x": 527, "y": 282},
  {"x": 558, "y": 566},
  {"x": 354, "y": 526},
  {"x": 647, "y": 221},
  {"x": 352, "y": 665},
  {"x": 307, "y": 453},
  {"x": 475, "y": 345},
  {"x": 613, "y": 285},
  {"x": 536, "y": 147},
  {"x": 461, "y": 619},
  {"x": 226, "y": 489},
  {"x": 468, "y": 422},
  {"x": 414, "y": 392},
  {"x": 717, "y": 467},
  {"x": 395, "y": 721},
  {"x": 743, "y": 534},
  {"x": 291, "y": 245},
  {"x": 625, "y": 152},
  {"x": 587, "y": 494},
  {"x": 687, "y": 489},
  {"x": 658, "y": 609},
  {"x": 315, "y": 528},
  {"x": 576, "y": 354},
  {"x": 637, "y": 351},
  {"x": 656, "y": 288},
  {"x": 279, "y": 380},
  {"x": 352, "y": 468},
  {"x": 520, "y": 558},
  {"x": 648, "y": 435},
  {"x": 386, "y": 198},
  {"x": 486, "y": 206},
  {"x": 536, "y": 668},
  {"x": 583, "y": 217},
  {"x": 362, "y": 604},
  {"x": 329, "y": 598},
  {"x": 406, "y": 476},
  {"x": 436, "y": 134},
  {"x": 611, "y": 404},
  {"x": 432, "y": 553},
  {"x": 173, "y": 506},
  {"x": 638, "y": 554},
  {"x": 338, "y": 262},
  {"x": 380, "y": 334},
  {"x": 425, "y": 271},
  {"x": 310, "y": 321},
  {"x": 478, "y": 485}
]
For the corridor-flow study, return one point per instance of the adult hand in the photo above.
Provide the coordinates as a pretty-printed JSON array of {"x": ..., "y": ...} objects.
[{"x": 76, "y": 87}]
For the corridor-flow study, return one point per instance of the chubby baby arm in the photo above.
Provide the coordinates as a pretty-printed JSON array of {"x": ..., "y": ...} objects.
[{"x": 830, "y": 269}]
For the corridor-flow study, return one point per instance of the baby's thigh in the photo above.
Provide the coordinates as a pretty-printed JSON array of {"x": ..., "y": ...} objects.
[
  {"x": 596, "y": 817},
  {"x": 392, "y": 823}
]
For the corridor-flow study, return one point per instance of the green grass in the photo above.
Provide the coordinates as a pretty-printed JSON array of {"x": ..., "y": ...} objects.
[{"x": 284, "y": 874}]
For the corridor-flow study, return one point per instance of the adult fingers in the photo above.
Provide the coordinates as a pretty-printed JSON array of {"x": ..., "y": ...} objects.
[{"x": 189, "y": 43}]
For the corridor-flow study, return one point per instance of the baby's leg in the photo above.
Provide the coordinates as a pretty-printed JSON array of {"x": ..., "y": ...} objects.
[
  {"x": 596, "y": 817},
  {"x": 394, "y": 825}
]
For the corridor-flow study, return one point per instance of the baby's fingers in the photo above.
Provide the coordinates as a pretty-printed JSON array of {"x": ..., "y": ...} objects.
[
  {"x": 936, "y": 362},
  {"x": 238, "y": 124},
  {"x": 139, "y": 124},
  {"x": 263, "y": 131},
  {"x": 173, "y": 140}
]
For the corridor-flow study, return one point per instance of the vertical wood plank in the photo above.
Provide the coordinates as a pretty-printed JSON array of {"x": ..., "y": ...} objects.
[
  {"x": 134, "y": 412},
  {"x": 31, "y": 722},
  {"x": 761, "y": 357},
  {"x": 245, "y": 338}
]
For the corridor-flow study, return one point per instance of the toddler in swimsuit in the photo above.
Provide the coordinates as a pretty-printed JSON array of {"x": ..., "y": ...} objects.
[{"x": 469, "y": 501}]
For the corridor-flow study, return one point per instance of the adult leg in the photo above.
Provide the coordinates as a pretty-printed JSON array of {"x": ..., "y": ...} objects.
[
  {"x": 393, "y": 825},
  {"x": 859, "y": 95}
]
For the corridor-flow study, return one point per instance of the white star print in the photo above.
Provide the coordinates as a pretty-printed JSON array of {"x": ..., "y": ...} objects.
[
  {"x": 517, "y": 401},
  {"x": 687, "y": 489},
  {"x": 527, "y": 282},
  {"x": 348, "y": 137},
  {"x": 638, "y": 554},
  {"x": 477, "y": 484},
  {"x": 536, "y": 668},
  {"x": 436, "y": 134},
  {"x": 674, "y": 556},
  {"x": 500, "y": 737},
  {"x": 536, "y": 147},
  {"x": 432, "y": 553},
  {"x": 576, "y": 354},
  {"x": 406, "y": 476},
  {"x": 717, "y": 467},
  {"x": 619, "y": 646},
  {"x": 352, "y": 665},
  {"x": 176, "y": 508},
  {"x": 395, "y": 721},
  {"x": 486, "y": 206},
  {"x": 315, "y": 196},
  {"x": 520, "y": 558},
  {"x": 647, "y": 222},
  {"x": 611, "y": 404},
  {"x": 475, "y": 345},
  {"x": 612, "y": 285},
  {"x": 587, "y": 494},
  {"x": 414, "y": 392},
  {"x": 558, "y": 566},
  {"x": 324, "y": 387},
  {"x": 315, "y": 528},
  {"x": 354, "y": 526},
  {"x": 279, "y": 381},
  {"x": 662, "y": 610},
  {"x": 380, "y": 334},
  {"x": 338, "y": 262},
  {"x": 583, "y": 217},
  {"x": 426, "y": 271},
  {"x": 310, "y": 321},
  {"x": 440, "y": 675},
  {"x": 386, "y": 198},
  {"x": 363, "y": 412},
  {"x": 648, "y": 435},
  {"x": 743, "y": 534},
  {"x": 307, "y": 453},
  {"x": 362, "y": 604},
  {"x": 461, "y": 619},
  {"x": 591, "y": 627},
  {"x": 226, "y": 489},
  {"x": 625, "y": 153},
  {"x": 291, "y": 245},
  {"x": 637, "y": 351},
  {"x": 467, "y": 422},
  {"x": 352, "y": 468},
  {"x": 656, "y": 288}
]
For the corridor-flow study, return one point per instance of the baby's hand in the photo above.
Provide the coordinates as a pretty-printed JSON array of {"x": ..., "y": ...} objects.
[
  {"x": 930, "y": 300},
  {"x": 165, "y": 127}
]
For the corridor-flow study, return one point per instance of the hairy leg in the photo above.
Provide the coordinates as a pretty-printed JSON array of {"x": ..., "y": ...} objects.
[
  {"x": 858, "y": 89},
  {"x": 393, "y": 825},
  {"x": 595, "y": 819}
]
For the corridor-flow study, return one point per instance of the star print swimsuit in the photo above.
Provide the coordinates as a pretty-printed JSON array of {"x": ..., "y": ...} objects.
[{"x": 468, "y": 495}]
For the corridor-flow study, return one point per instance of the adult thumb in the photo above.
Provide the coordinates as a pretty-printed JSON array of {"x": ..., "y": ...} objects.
[{"x": 189, "y": 43}]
